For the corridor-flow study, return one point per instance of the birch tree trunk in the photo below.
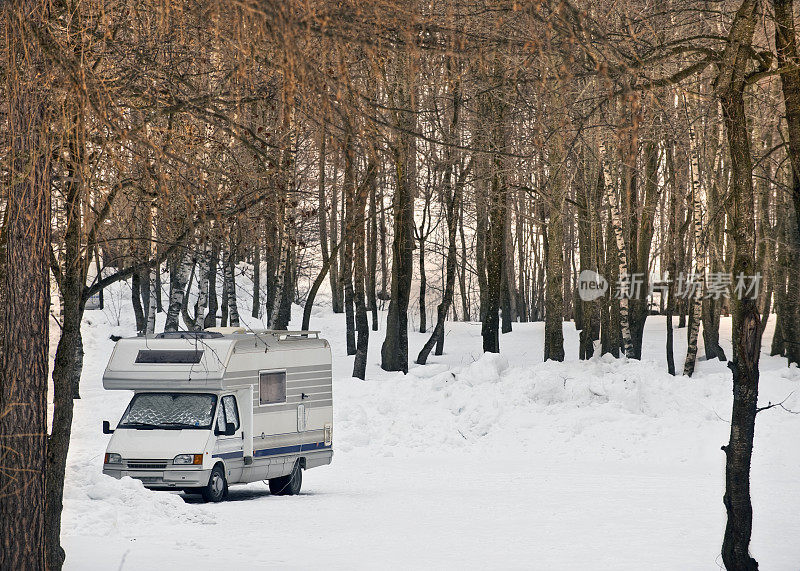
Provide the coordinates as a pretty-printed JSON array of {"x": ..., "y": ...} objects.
[
  {"x": 699, "y": 256},
  {"x": 151, "y": 305},
  {"x": 211, "y": 279},
  {"x": 229, "y": 267},
  {"x": 616, "y": 226},
  {"x": 178, "y": 290}
]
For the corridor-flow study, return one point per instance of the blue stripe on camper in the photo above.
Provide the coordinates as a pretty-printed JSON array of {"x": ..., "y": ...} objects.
[
  {"x": 229, "y": 455},
  {"x": 276, "y": 451}
]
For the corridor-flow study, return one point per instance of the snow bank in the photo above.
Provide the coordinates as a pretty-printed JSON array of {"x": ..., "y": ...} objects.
[
  {"x": 436, "y": 407},
  {"x": 101, "y": 505}
]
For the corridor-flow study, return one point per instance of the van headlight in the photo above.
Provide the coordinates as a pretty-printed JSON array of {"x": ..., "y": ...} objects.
[
  {"x": 113, "y": 458},
  {"x": 194, "y": 459}
]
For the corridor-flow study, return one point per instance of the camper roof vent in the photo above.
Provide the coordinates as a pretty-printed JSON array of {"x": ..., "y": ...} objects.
[{"x": 189, "y": 335}]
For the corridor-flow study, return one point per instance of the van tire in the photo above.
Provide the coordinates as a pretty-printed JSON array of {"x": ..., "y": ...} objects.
[
  {"x": 217, "y": 488},
  {"x": 288, "y": 485}
]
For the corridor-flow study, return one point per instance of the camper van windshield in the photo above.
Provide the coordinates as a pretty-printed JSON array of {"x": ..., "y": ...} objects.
[{"x": 170, "y": 411}]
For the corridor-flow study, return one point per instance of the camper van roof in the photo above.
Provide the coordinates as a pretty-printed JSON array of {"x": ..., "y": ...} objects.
[{"x": 196, "y": 358}]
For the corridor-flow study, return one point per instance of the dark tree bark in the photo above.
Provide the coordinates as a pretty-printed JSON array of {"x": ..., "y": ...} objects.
[
  {"x": 730, "y": 87},
  {"x": 372, "y": 254},
  {"x": 645, "y": 229},
  {"x": 788, "y": 60},
  {"x": 554, "y": 300},
  {"x": 672, "y": 238},
  {"x": 136, "y": 299},
  {"x": 383, "y": 295},
  {"x": 25, "y": 300},
  {"x": 462, "y": 275},
  {"x": 256, "y": 281},
  {"x": 589, "y": 310},
  {"x": 423, "y": 287},
  {"x": 359, "y": 253},
  {"x": 348, "y": 218},
  {"x": 492, "y": 113},
  {"x": 394, "y": 351},
  {"x": 188, "y": 320},
  {"x": 312, "y": 292}
]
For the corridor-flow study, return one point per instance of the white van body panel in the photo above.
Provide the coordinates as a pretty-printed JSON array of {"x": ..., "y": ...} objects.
[
  {"x": 160, "y": 444},
  {"x": 269, "y": 438}
]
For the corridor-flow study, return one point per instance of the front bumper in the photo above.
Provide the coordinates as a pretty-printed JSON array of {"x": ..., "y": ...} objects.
[{"x": 160, "y": 479}]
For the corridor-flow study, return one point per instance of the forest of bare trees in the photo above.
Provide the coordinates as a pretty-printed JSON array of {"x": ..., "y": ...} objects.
[{"x": 437, "y": 161}]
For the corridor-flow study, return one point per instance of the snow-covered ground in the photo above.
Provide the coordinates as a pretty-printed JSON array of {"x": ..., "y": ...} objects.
[{"x": 471, "y": 461}]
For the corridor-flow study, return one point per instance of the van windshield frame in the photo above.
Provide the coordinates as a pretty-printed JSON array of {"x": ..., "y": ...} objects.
[{"x": 154, "y": 419}]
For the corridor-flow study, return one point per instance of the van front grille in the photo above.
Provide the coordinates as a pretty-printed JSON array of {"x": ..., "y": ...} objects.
[{"x": 146, "y": 466}]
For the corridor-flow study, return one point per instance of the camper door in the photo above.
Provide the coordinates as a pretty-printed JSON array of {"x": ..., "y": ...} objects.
[{"x": 245, "y": 398}]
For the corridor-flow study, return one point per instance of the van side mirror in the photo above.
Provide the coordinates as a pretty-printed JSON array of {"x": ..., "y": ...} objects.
[
  {"x": 107, "y": 428},
  {"x": 230, "y": 429}
]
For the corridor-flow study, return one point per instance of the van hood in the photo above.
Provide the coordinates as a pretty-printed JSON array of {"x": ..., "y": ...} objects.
[{"x": 157, "y": 444}]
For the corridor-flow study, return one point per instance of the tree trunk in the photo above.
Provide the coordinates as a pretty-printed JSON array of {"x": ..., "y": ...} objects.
[
  {"x": 491, "y": 113},
  {"x": 359, "y": 253},
  {"x": 423, "y": 286},
  {"x": 256, "y": 311},
  {"x": 383, "y": 295},
  {"x": 312, "y": 293},
  {"x": 699, "y": 254},
  {"x": 554, "y": 300},
  {"x": 179, "y": 276},
  {"x": 26, "y": 300},
  {"x": 788, "y": 60},
  {"x": 188, "y": 320},
  {"x": 616, "y": 225},
  {"x": 671, "y": 241},
  {"x": 462, "y": 275},
  {"x": 229, "y": 270},
  {"x": 151, "y": 302},
  {"x": 136, "y": 300},
  {"x": 730, "y": 87},
  {"x": 372, "y": 255},
  {"x": 213, "y": 305},
  {"x": 588, "y": 310},
  {"x": 394, "y": 351}
]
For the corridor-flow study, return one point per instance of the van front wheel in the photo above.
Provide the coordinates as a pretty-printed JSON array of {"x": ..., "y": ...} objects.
[
  {"x": 217, "y": 487},
  {"x": 288, "y": 485}
]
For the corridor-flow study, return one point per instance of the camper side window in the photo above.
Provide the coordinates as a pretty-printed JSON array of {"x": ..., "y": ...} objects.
[
  {"x": 228, "y": 412},
  {"x": 272, "y": 387}
]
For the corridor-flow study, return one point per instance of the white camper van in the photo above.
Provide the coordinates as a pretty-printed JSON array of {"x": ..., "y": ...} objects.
[{"x": 221, "y": 407}]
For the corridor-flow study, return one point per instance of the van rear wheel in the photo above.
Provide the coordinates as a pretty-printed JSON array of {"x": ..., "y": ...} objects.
[
  {"x": 217, "y": 487},
  {"x": 288, "y": 485}
]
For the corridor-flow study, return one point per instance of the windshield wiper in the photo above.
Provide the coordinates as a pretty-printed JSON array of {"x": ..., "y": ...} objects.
[
  {"x": 137, "y": 425},
  {"x": 180, "y": 425}
]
